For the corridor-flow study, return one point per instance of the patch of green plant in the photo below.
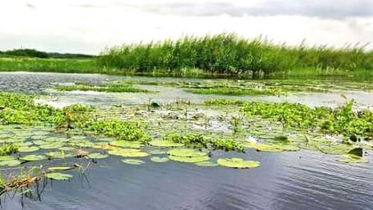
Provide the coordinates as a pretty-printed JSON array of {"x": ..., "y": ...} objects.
[
  {"x": 133, "y": 161},
  {"x": 128, "y": 152},
  {"x": 234, "y": 91},
  {"x": 237, "y": 163},
  {"x": 159, "y": 159},
  {"x": 199, "y": 140},
  {"x": 58, "y": 176},
  {"x": 8, "y": 149},
  {"x": 222, "y": 101}
]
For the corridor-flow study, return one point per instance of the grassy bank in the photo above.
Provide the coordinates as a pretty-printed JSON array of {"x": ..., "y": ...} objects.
[
  {"x": 230, "y": 54},
  {"x": 209, "y": 56}
]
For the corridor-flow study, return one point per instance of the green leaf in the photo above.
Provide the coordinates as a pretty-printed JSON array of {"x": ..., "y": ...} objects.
[
  {"x": 28, "y": 149},
  {"x": 10, "y": 163},
  {"x": 58, "y": 176},
  {"x": 58, "y": 168},
  {"x": 33, "y": 158},
  {"x": 133, "y": 161},
  {"x": 163, "y": 143},
  {"x": 237, "y": 163},
  {"x": 128, "y": 152},
  {"x": 97, "y": 156},
  {"x": 126, "y": 144}
]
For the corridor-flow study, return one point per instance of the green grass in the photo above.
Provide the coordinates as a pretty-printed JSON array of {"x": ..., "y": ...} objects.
[
  {"x": 230, "y": 54},
  {"x": 235, "y": 91},
  {"x": 51, "y": 65}
]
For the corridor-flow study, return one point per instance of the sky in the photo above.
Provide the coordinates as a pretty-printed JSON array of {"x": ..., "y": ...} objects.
[{"x": 89, "y": 26}]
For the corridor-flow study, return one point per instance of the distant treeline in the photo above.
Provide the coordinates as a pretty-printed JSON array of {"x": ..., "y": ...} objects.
[
  {"x": 32, "y": 53},
  {"x": 230, "y": 54}
]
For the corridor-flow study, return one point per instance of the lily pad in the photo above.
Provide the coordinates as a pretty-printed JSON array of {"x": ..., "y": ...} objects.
[
  {"x": 33, "y": 158},
  {"x": 10, "y": 163},
  {"x": 59, "y": 168},
  {"x": 163, "y": 143},
  {"x": 237, "y": 163},
  {"x": 58, "y": 176},
  {"x": 28, "y": 149},
  {"x": 350, "y": 158},
  {"x": 97, "y": 156},
  {"x": 338, "y": 149},
  {"x": 128, "y": 152},
  {"x": 207, "y": 164},
  {"x": 59, "y": 155},
  {"x": 157, "y": 152},
  {"x": 127, "y": 144},
  {"x": 6, "y": 158},
  {"x": 186, "y": 153},
  {"x": 187, "y": 159},
  {"x": 271, "y": 147},
  {"x": 24, "y": 144},
  {"x": 51, "y": 146},
  {"x": 159, "y": 159},
  {"x": 66, "y": 148},
  {"x": 133, "y": 161}
]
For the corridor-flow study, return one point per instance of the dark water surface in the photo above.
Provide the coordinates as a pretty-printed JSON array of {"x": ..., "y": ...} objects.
[{"x": 304, "y": 180}]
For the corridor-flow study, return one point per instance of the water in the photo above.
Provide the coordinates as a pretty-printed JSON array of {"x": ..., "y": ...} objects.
[{"x": 306, "y": 180}]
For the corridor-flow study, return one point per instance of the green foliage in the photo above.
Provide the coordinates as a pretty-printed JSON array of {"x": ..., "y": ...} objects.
[
  {"x": 342, "y": 120},
  {"x": 8, "y": 149},
  {"x": 129, "y": 131},
  {"x": 237, "y": 163},
  {"x": 228, "y": 54},
  {"x": 199, "y": 140}
]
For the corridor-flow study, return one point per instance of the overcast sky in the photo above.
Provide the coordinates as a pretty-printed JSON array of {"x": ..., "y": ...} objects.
[{"x": 88, "y": 26}]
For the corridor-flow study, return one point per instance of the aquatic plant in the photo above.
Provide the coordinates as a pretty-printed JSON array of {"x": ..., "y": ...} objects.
[
  {"x": 229, "y": 54},
  {"x": 163, "y": 143},
  {"x": 133, "y": 161},
  {"x": 58, "y": 176},
  {"x": 159, "y": 159},
  {"x": 128, "y": 152},
  {"x": 102, "y": 88},
  {"x": 8, "y": 149},
  {"x": 237, "y": 163}
]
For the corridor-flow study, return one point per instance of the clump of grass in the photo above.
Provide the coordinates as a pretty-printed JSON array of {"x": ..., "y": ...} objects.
[
  {"x": 229, "y": 54},
  {"x": 210, "y": 102},
  {"x": 102, "y": 88}
]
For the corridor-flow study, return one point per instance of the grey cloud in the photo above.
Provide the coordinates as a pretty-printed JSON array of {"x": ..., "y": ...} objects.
[{"x": 323, "y": 9}]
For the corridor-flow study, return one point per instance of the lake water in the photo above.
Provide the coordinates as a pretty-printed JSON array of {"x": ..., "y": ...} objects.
[{"x": 306, "y": 180}]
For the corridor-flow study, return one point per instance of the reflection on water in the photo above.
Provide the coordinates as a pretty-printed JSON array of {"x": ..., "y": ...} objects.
[{"x": 303, "y": 180}]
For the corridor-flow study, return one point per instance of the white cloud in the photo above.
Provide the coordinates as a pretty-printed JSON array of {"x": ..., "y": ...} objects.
[{"x": 87, "y": 26}]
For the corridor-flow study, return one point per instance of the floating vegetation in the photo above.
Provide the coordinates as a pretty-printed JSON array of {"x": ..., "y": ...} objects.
[
  {"x": 350, "y": 158},
  {"x": 271, "y": 147},
  {"x": 8, "y": 149},
  {"x": 128, "y": 152},
  {"x": 207, "y": 164},
  {"x": 187, "y": 155},
  {"x": 127, "y": 144},
  {"x": 237, "y": 163},
  {"x": 58, "y": 168},
  {"x": 133, "y": 161},
  {"x": 163, "y": 143},
  {"x": 31, "y": 158},
  {"x": 58, "y": 176},
  {"x": 102, "y": 88},
  {"x": 58, "y": 155},
  {"x": 28, "y": 149},
  {"x": 10, "y": 163},
  {"x": 97, "y": 156},
  {"x": 159, "y": 159},
  {"x": 157, "y": 152},
  {"x": 237, "y": 91}
]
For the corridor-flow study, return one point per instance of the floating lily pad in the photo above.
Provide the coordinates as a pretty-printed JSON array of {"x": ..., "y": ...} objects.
[
  {"x": 10, "y": 163},
  {"x": 59, "y": 155},
  {"x": 33, "y": 158},
  {"x": 133, "y": 161},
  {"x": 40, "y": 142},
  {"x": 59, "y": 168},
  {"x": 105, "y": 139},
  {"x": 337, "y": 149},
  {"x": 189, "y": 159},
  {"x": 237, "y": 163},
  {"x": 159, "y": 159},
  {"x": 186, "y": 153},
  {"x": 6, "y": 158},
  {"x": 66, "y": 148},
  {"x": 157, "y": 152},
  {"x": 350, "y": 158},
  {"x": 270, "y": 147},
  {"x": 97, "y": 156},
  {"x": 163, "y": 143},
  {"x": 28, "y": 149},
  {"x": 128, "y": 152},
  {"x": 58, "y": 176},
  {"x": 51, "y": 146},
  {"x": 127, "y": 144},
  {"x": 207, "y": 164},
  {"x": 24, "y": 144}
]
